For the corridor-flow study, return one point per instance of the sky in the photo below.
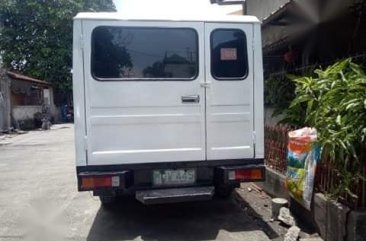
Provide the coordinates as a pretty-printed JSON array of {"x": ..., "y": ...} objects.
[{"x": 157, "y": 7}]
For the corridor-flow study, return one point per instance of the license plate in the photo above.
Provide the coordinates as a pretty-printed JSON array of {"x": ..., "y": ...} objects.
[{"x": 174, "y": 177}]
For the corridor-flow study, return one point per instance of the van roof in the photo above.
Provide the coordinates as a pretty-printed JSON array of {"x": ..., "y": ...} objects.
[{"x": 193, "y": 18}]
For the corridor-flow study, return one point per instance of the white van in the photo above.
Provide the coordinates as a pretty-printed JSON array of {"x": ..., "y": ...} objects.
[{"x": 170, "y": 110}]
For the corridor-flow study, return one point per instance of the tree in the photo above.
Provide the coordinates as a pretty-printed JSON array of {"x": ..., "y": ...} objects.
[{"x": 36, "y": 36}]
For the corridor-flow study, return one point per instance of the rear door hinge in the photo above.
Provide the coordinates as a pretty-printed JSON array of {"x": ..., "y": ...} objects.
[
  {"x": 86, "y": 148},
  {"x": 254, "y": 137},
  {"x": 81, "y": 42},
  {"x": 85, "y": 142}
]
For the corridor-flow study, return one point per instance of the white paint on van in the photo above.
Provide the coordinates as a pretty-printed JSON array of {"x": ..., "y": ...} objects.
[{"x": 126, "y": 122}]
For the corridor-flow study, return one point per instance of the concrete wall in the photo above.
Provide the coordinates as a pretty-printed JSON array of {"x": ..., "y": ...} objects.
[
  {"x": 23, "y": 116},
  {"x": 335, "y": 221},
  {"x": 2, "y": 112},
  {"x": 56, "y": 114},
  {"x": 274, "y": 184},
  {"x": 48, "y": 96},
  {"x": 5, "y": 121},
  {"x": 25, "y": 112},
  {"x": 356, "y": 227}
]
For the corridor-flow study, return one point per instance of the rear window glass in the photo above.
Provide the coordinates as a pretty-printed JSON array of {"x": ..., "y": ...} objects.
[
  {"x": 144, "y": 53},
  {"x": 229, "y": 54}
]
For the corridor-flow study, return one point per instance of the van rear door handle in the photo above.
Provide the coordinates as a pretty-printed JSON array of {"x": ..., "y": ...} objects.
[{"x": 190, "y": 99}]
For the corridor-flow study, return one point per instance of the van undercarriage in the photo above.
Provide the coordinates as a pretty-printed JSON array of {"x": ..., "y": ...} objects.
[{"x": 218, "y": 177}]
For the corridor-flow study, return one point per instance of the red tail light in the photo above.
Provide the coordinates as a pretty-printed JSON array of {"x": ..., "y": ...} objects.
[
  {"x": 253, "y": 174},
  {"x": 90, "y": 183}
]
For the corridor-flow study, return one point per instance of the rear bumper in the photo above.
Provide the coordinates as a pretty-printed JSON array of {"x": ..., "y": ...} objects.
[
  {"x": 130, "y": 178},
  {"x": 186, "y": 194}
]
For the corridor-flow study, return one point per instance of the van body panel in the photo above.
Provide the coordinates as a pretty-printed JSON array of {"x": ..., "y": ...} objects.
[
  {"x": 79, "y": 95},
  {"x": 134, "y": 121},
  {"x": 191, "y": 114},
  {"x": 166, "y": 17},
  {"x": 229, "y": 102},
  {"x": 258, "y": 108}
]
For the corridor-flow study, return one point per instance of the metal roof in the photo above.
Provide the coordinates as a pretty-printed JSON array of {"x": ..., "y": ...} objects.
[
  {"x": 167, "y": 17},
  {"x": 27, "y": 79},
  {"x": 282, "y": 9}
]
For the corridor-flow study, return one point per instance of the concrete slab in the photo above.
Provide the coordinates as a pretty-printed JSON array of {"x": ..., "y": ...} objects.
[
  {"x": 320, "y": 213},
  {"x": 274, "y": 184},
  {"x": 336, "y": 221}
]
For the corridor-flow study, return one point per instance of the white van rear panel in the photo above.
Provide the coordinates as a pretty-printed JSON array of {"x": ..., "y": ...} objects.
[{"x": 129, "y": 120}]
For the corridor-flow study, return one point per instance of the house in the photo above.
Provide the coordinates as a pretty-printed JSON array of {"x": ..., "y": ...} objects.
[
  {"x": 299, "y": 34},
  {"x": 23, "y": 100},
  {"x": 5, "y": 121}
]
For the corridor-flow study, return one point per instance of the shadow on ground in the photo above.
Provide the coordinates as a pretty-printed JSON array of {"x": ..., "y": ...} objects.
[{"x": 183, "y": 221}]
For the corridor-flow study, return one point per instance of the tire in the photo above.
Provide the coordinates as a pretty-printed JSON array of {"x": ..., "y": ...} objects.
[
  {"x": 224, "y": 191},
  {"x": 107, "y": 201}
]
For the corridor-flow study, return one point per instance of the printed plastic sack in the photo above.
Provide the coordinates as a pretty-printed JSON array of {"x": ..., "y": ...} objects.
[{"x": 302, "y": 158}]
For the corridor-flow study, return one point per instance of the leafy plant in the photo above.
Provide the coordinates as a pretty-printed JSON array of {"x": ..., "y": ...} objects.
[
  {"x": 334, "y": 102},
  {"x": 278, "y": 93}
]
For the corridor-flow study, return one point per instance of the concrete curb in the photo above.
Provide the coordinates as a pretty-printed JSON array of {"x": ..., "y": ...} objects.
[
  {"x": 335, "y": 221},
  {"x": 274, "y": 184}
]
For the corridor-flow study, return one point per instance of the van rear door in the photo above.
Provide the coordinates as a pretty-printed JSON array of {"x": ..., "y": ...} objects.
[
  {"x": 229, "y": 77},
  {"x": 144, "y": 100}
]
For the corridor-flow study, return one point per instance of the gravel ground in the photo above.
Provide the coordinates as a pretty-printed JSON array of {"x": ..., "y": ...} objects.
[{"x": 257, "y": 204}]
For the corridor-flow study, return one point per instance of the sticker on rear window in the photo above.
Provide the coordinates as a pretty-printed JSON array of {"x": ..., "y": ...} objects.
[{"x": 228, "y": 54}]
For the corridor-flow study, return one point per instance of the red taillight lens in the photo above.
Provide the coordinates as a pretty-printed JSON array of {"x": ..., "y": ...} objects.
[
  {"x": 90, "y": 183},
  {"x": 254, "y": 174},
  {"x": 103, "y": 182}
]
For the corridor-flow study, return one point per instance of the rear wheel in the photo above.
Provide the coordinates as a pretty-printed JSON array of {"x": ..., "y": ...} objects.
[
  {"x": 224, "y": 191},
  {"x": 107, "y": 201}
]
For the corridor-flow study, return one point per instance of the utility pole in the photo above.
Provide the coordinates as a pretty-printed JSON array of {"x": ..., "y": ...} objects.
[{"x": 232, "y": 2}]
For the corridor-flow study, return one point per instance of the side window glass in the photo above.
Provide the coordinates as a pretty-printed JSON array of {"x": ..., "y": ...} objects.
[{"x": 229, "y": 59}]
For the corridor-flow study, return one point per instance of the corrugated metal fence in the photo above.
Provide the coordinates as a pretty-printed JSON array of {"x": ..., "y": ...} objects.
[{"x": 275, "y": 144}]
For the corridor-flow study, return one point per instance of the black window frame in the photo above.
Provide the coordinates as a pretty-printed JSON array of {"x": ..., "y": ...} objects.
[
  {"x": 245, "y": 76},
  {"x": 145, "y": 79}
]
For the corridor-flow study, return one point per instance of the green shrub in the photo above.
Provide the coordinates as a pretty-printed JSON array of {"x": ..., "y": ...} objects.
[
  {"x": 334, "y": 102},
  {"x": 278, "y": 93}
]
